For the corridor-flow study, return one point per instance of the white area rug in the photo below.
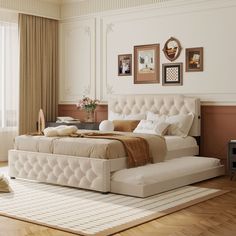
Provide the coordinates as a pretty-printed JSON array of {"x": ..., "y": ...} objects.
[{"x": 92, "y": 213}]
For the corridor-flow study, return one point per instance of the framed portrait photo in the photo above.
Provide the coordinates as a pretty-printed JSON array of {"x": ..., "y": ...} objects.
[
  {"x": 172, "y": 49},
  {"x": 125, "y": 65},
  {"x": 147, "y": 64},
  {"x": 172, "y": 74},
  {"x": 194, "y": 59}
]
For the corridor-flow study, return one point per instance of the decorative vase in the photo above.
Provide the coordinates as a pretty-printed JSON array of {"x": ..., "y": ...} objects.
[{"x": 89, "y": 116}]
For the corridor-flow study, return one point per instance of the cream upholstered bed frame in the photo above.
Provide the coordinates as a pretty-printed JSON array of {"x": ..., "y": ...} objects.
[
  {"x": 169, "y": 104},
  {"x": 95, "y": 174}
]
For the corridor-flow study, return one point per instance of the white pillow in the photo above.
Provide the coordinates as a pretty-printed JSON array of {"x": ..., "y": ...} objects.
[
  {"x": 115, "y": 116},
  {"x": 180, "y": 124},
  {"x": 106, "y": 125},
  {"x": 119, "y": 116},
  {"x": 153, "y": 116},
  {"x": 151, "y": 127},
  {"x": 135, "y": 117}
]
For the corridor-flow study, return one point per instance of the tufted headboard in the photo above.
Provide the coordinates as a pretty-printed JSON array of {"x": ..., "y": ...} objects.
[{"x": 170, "y": 104}]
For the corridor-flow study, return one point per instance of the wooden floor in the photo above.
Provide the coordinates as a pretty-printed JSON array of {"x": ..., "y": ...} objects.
[{"x": 213, "y": 217}]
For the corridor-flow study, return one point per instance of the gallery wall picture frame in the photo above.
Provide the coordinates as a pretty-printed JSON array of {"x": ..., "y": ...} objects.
[
  {"x": 172, "y": 74},
  {"x": 194, "y": 59},
  {"x": 147, "y": 64},
  {"x": 125, "y": 65},
  {"x": 172, "y": 49}
]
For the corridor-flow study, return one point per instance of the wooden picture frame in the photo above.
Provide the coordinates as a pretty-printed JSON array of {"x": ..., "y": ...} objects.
[
  {"x": 125, "y": 65},
  {"x": 172, "y": 74},
  {"x": 147, "y": 64},
  {"x": 194, "y": 59},
  {"x": 172, "y": 49}
]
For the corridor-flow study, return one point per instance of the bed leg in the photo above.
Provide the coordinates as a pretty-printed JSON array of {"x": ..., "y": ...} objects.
[{"x": 12, "y": 177}]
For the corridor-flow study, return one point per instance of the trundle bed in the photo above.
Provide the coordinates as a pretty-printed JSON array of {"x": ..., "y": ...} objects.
[{"x": 101, "y": 165}]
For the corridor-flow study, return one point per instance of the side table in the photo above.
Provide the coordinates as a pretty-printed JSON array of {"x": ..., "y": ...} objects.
[
  {"x": 232, "y": 158},
  {"x": 81, "y": 125}
]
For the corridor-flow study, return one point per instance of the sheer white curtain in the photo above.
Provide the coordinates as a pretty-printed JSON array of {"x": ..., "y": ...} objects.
[{"x": 9, "y": 86}]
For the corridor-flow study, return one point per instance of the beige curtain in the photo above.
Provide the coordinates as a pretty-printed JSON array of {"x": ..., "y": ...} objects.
[{"x": 38, "y": 70}]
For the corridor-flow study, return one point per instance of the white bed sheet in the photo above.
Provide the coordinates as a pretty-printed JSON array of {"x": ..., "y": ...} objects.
[
  {"x": 177, "y": 142},
  {"x": 178, "y": 147}
]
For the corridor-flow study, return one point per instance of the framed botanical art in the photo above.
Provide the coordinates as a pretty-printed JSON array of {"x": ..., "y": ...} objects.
[
  {"x": 194, "y": 59},
  {"x": 125, "y": 65},
  {"x": 172, "y": 49},
  {"x": 147, "y": 64},
  {"x": 172, "y": 74}
]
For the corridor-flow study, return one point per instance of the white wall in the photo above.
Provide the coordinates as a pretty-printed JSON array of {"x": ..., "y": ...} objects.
[{"x": 90, "y": 45}]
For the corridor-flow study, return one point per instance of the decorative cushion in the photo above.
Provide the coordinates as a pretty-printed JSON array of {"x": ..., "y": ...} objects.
[
  {"x": 179, "y": 124},
  {"x": 125, "y": 125},
  {"x": 61, "y": 130},
  {"x": 152, "y": 127},
  {"x": 4, "y": 184},
  {"x": 106, "y": 125}
]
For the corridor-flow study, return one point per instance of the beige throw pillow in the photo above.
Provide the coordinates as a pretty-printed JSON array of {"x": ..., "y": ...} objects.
[{"x": 125, "y": 125}]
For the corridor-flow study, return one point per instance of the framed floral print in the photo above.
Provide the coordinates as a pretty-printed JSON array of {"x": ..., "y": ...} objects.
[{"x": 147, "y": 64}]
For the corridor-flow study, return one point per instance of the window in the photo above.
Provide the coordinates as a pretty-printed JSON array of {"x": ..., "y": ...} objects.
[{"x": 9, "y": 75}]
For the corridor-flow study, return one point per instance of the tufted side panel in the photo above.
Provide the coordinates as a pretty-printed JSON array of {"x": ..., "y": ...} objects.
[
  {"x": 159, "y": 104},
  {"x": 87, "y": 173}
]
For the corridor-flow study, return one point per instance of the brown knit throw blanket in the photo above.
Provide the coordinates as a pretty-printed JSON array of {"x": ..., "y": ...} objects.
[{"x": 137, "y": 148}]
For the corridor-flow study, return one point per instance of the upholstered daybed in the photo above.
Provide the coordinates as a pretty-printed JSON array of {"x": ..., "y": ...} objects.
[{"x": 59, "y": 161}]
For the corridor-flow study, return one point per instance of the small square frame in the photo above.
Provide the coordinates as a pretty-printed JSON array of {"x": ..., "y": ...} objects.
[
  {"x": 172, "y": 74},
  {"x": 194, "y": 59}
]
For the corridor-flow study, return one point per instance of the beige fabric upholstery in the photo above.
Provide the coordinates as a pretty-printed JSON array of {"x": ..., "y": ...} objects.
[
  {"x": 72, "y": 171},
  {"x": 160, "y": 104},
  {"x": 155, "y": 178}
]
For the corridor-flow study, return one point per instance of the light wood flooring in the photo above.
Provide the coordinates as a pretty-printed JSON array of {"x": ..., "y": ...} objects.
[{"x": 213, "y": 217}]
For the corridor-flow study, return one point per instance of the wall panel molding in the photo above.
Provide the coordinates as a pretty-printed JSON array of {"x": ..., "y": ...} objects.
[{"x": 77, "y": 60}]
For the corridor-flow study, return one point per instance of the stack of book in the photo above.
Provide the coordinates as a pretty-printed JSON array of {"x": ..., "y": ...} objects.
[{"x": 4, "y": 184}]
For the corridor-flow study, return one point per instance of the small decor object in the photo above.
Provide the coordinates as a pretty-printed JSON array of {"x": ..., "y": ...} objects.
[
  {"x": 147, "y": 64},
  {"x": 194, "y": 59},
  {"x": 125, "y": 65},
  {"x": 89, "y": 105},
  {"x": 172, "y": 74},
  {"x": 172, "y": 49},
  {"x": 106, "y": 125},
  {"x": 4, "y": 185},
  {"x": 41, "y": 122}
]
